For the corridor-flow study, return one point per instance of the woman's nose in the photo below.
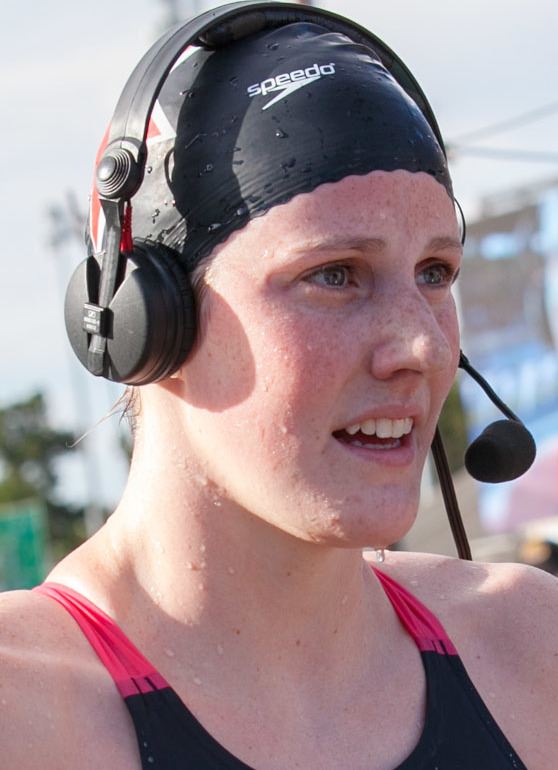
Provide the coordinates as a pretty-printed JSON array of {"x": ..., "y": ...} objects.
[{"x": 414, "y": 335}]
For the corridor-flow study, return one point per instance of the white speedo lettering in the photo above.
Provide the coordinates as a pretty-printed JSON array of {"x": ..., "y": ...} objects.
[{"x": 288, "y": 82}]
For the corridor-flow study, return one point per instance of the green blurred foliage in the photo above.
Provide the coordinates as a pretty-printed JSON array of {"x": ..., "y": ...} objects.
[
  {"x": 29, "y": 448},
  {"x": 453, "y": 429}
]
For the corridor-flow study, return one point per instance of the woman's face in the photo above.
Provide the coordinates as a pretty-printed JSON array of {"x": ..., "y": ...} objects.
[{"x": 328, "y": 345}]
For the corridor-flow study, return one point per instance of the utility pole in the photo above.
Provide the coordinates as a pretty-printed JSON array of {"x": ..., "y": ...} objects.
[
  {"x": 175, "y": 15},
  {"x": 67, "y": 225},
  {"x": 172, "y": 16}
]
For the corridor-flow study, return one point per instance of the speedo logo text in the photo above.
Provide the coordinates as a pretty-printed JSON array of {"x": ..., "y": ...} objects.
[{"x": 288, "y": 82}]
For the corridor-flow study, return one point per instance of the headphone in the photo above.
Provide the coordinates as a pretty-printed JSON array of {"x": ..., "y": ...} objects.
[{"x": 129, "y": 310}]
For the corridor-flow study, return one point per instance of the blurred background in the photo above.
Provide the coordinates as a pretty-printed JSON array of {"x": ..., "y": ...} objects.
[{"x": 489, "y": 71}]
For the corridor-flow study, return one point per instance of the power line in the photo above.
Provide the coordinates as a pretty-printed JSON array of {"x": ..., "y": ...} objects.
[
  {"x": 530, "y": 116},
  {"x": 530, "y": 156}
]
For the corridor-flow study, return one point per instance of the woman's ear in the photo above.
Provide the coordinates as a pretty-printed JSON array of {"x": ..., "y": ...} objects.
[{"x": 175, "y": 382}]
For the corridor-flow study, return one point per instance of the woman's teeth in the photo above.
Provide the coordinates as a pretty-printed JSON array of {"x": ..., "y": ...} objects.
[{"x": 383, "y": 427}]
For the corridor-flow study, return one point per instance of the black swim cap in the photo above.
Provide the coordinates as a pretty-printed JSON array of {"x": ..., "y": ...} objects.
[{"x": 238, "y": 130}]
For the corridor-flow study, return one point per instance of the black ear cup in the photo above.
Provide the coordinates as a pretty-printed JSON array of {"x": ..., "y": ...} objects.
[{"x": 151, "y": 319}]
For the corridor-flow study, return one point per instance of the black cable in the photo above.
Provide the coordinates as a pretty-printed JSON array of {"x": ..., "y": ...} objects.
[
  {"x": 479, "y": 379},
  {"x": 450, "y": 499}
]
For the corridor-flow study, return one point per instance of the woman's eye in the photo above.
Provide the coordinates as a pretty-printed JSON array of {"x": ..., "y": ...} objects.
[
  {"x": 331, "y": 276},
  {"x": 436, "y": 275}
]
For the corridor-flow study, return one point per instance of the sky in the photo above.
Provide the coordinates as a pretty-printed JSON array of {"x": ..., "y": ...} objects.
[{"x": 63, "y": 64}]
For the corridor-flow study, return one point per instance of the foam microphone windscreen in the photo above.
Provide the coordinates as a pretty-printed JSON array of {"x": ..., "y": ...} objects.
[{"x": 502, "y": 452}]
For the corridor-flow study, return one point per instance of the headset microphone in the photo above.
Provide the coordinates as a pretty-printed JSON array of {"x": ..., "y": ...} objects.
[{"x": 505, "y": 449}]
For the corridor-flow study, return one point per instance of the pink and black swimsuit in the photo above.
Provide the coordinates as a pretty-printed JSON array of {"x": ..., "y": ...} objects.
[{"x": 459, "y": 732}]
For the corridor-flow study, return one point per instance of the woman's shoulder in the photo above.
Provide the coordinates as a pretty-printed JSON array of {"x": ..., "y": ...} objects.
[
  {"x": 517, "y": 599},
  {"x": 503, "y": 620},
  {"x": 51, "y": 685},
  {"x": 30, "y": 630},
  {"x": 501, "y": 591}
]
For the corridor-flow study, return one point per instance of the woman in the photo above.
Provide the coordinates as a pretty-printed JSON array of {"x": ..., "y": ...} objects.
[{"x": 226, "y": 615}]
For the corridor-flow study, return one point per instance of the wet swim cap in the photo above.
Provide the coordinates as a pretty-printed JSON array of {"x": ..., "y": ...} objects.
[{"x": 238, "y": 130}]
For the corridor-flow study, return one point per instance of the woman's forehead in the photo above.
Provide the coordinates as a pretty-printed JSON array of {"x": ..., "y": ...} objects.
[
  {"x": 358, "y": 213},
  {"x": 363, "y": 201}
]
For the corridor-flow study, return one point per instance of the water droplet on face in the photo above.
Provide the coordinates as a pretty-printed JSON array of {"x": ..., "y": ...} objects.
[
  {"x": 197, "y": 680},
  {"x": 169, "y": 652},
  {"x": 280, "y": 134},
  {"x": 273, "y": 46},
  {"x": 151, "y": 760},
  {"x": 208, "y": 168},
  {"x": 149, "y": 169}
]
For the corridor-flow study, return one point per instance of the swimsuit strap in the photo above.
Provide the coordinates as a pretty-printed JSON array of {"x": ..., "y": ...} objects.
[
  {"x": 422, "y": 625},
  {"x": 131, "y": 671}
]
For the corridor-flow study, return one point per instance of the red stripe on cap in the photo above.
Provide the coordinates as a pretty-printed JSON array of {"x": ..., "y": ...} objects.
[{"x": 152, "y": 129}]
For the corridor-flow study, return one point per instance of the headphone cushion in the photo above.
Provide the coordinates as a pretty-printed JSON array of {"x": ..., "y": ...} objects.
[{"x": 152, "y": 318}]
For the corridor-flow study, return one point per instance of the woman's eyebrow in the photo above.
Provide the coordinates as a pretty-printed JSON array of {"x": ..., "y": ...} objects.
[
  {"x": 445, "y": 242},
  {"x": 347, "y": 244},
  {"x": 377, "y": 245}
]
